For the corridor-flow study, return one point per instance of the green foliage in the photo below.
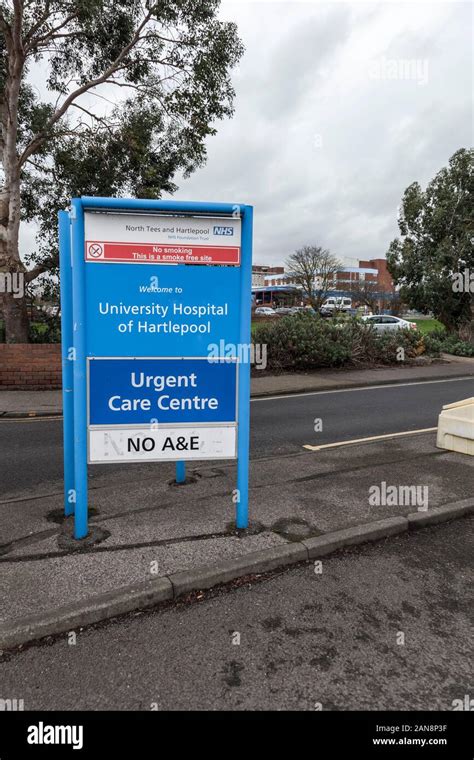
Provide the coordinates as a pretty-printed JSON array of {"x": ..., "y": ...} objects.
[
  {"x": 437, "y": 242},
  {"x": 389, "y": 345},
  {"x": 165, "y": 66},
  {"x": 45, "y": 330},
  {"x": 438, "y": 341},
  {"x": 305, "y": 342},
  {"x": 132, "y": 90}
]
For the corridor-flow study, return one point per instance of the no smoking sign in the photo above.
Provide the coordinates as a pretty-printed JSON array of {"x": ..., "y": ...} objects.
[{"x": 95, "y": 251}]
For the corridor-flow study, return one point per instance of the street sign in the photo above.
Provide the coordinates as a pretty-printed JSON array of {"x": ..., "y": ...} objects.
[
  {"x": 163, "y": 444},
  {"x": 151, "y": 401},
  {"x": 159, "y": 290}
]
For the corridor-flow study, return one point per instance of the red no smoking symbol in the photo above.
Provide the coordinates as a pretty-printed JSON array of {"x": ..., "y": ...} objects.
[{"x": 96, "y": 250}]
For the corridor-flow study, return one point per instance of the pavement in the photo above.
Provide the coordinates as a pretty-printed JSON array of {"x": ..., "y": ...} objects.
[
  {"x": 155, "y": 542},
  {"x": 47, "y": 403},
  {"x": 380, "y": 627}
]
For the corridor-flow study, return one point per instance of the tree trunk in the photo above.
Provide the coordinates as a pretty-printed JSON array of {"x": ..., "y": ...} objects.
[
  {"x": 13, "y": 304},
  {"x": 13, "y": 299},
  {"x": 16, "y": 320},
  {"x": 466, "y": 330}
]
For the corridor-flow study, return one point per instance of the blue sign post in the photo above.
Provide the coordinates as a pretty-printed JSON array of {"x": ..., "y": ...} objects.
[
  {"x": 160, "y": 326},
  {"x": 67, "y": 355}
]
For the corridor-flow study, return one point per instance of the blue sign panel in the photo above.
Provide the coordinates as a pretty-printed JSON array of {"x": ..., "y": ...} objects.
[
  {"x": 159, "y": 309},
  {"x": 167, "y": 391}
]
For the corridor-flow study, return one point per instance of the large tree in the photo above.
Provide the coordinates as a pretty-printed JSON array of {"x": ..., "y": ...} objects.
[
  {"x": 313, "y": 269},
  {"x": 433, "y": 261},
  {"x": 132, "y": 89}
]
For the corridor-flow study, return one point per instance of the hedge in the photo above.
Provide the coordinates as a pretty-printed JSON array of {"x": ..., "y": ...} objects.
[{"x": 305, "y": 342}]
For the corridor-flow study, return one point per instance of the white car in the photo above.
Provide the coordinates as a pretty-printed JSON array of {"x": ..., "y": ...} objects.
[
  {"x": 265, "y": 311},
  {"x": 384, "y": 323}
]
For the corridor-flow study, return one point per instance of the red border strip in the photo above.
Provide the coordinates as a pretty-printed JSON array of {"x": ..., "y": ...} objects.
[{"x": 154, "y": 253}]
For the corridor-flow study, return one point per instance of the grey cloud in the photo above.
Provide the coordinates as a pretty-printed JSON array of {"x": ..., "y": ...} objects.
[{"x": 293, "y": 73}]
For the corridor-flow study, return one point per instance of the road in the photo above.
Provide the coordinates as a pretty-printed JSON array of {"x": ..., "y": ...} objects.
[
  {"x": 382, "y": 627},
  {"x": 32, "y": 450}
]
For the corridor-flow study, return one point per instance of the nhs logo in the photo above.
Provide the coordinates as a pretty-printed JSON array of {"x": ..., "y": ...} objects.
[{"x": 223, "y": 230}]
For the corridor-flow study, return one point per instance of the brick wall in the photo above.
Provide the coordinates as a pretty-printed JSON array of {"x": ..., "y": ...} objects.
[
  {"x": 30, "y": 366},
  {"x": 384, "y": 278}
]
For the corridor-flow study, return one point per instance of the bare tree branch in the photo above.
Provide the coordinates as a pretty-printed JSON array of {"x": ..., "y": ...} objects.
[{"x": 99, "y": 119}]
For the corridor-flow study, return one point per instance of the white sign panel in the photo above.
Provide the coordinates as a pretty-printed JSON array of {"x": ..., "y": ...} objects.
[
  {"x": 145, "y": 239},
  {"x": 161, "y": 444}
]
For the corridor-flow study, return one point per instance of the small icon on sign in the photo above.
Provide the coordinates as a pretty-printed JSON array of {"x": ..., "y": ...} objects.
[{"x": 96, "y": 250}]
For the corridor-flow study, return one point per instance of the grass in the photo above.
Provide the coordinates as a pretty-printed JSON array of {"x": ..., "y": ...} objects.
[{"x": 426, "y": 325}]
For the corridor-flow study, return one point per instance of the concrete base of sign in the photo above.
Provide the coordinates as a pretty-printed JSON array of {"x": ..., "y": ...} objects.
[
  {"x": 456, "y": 427},
  {"x": 67, "y": 541},
  {"x": 189, "y": 481},
  {"x": 253, "y": 528}
]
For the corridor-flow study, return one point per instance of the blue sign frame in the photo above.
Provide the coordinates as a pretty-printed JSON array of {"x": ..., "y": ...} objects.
[{"x": 74, "y": 349}]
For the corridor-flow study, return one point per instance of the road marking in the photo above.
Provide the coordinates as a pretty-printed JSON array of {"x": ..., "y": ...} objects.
[
  {"x": 365, "y": 440},
  {"x": 362, "y": 388}
]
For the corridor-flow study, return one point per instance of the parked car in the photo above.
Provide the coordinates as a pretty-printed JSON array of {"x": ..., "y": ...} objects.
[
  {"x": 265, "y": 311},
  {"x": 283, "y": 310},
  {"x": 337, "y": 303},
  {"x": 383, "y": 323},
  {"x": 306, "y": 310}
]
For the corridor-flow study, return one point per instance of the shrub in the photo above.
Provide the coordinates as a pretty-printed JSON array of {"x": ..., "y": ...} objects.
[
  {"x": 390, "y": 343},
  {"x": 301, "y": 341},
  {"x": 48, "y": 330},
  {"x": 304, "y": 341},
  {"x": 438, "y": 341}
]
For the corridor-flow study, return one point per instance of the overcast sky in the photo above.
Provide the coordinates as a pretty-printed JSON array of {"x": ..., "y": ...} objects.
[
  {"x": 324, "y": 141},
  {"x": 339, "y": 108}
]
